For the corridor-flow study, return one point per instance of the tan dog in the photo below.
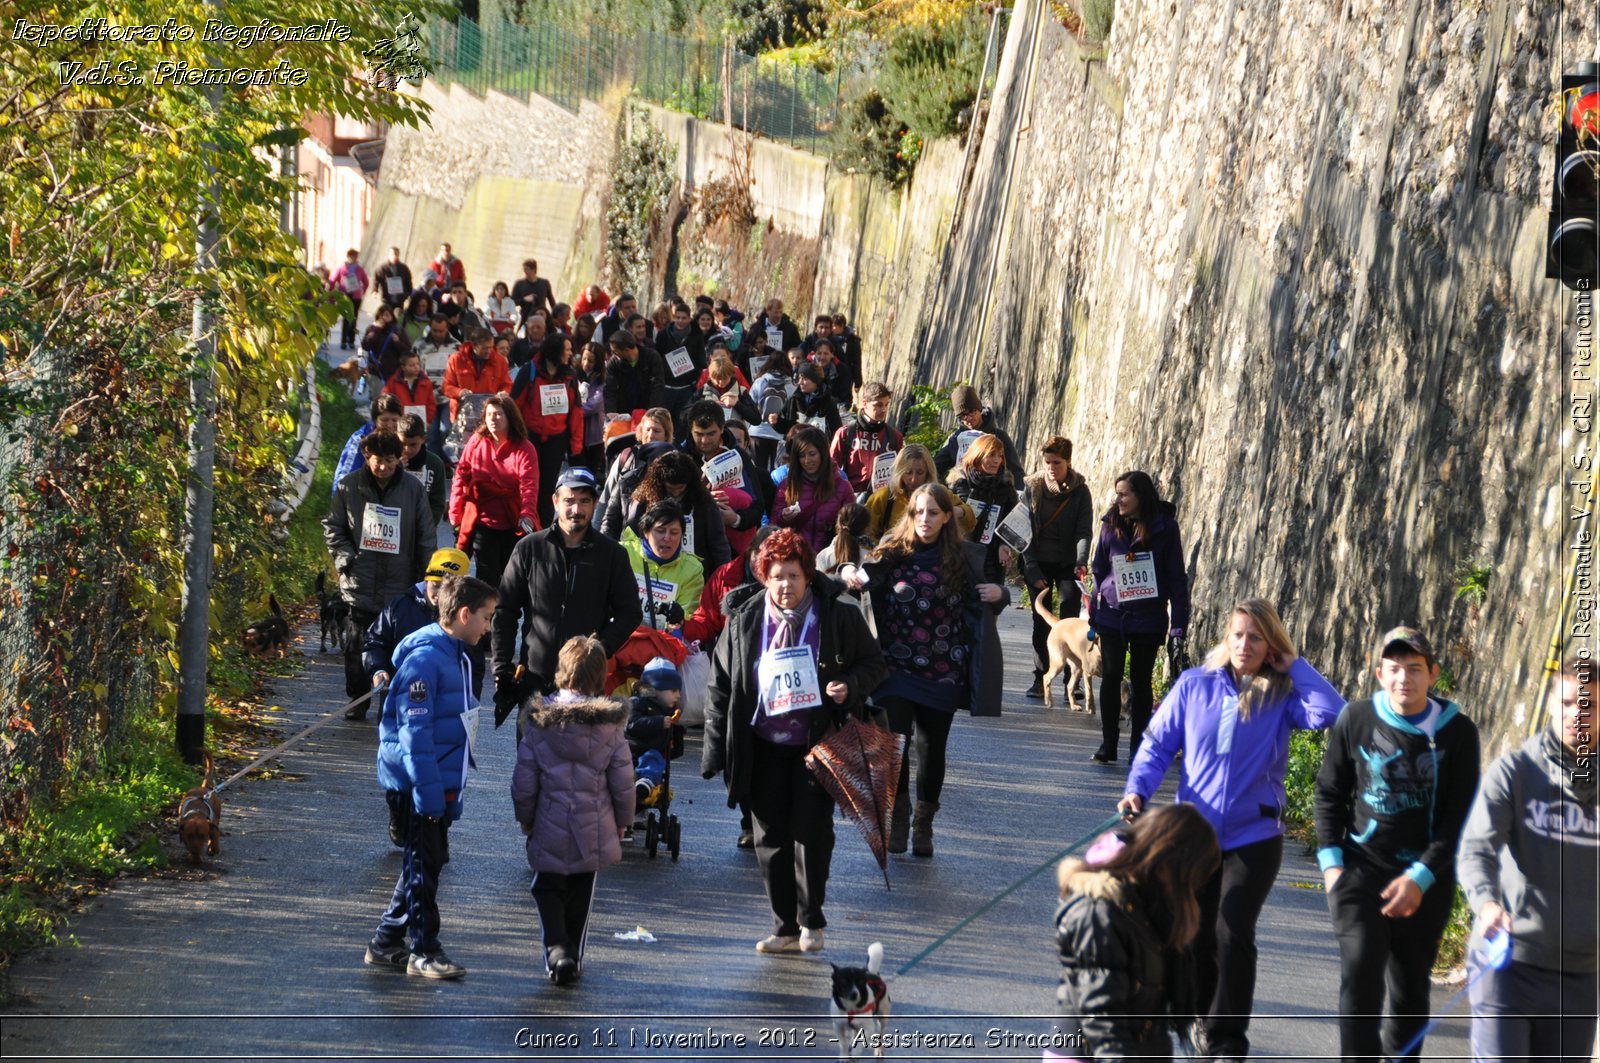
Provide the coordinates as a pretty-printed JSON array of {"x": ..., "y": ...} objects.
[
  {"x": 1070, "y": 650},
  {"x": 200, "y": 818},
  {"x": 350, "y": 372}
]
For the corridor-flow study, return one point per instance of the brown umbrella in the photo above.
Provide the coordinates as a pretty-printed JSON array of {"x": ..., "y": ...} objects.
[{"x": 859, "y": 765}]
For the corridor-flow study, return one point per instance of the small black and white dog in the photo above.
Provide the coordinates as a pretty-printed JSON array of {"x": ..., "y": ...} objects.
[
  {"x": 860, "y": 993},
  {"x": 333, "y": 611}
]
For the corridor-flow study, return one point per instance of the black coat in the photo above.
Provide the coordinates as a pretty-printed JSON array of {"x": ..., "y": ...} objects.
[
  {"x": 1114, "y": 970},
  {"x": 818, "y": 404},
  {"x": 992, "y": 499},
  {"x": 1063, "y": 526},
  {"x": 640, "y": 386},
  {"x": 559, "y": 594},
  {"x": 986, "y": 663},
  {"x": 945, "y": 459},
  {"x": 847, "y": 653},
  {"x": 710, "y": 534}
]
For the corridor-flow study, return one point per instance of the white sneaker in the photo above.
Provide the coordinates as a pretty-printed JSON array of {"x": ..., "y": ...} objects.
[
  {"x": 810, "y": 940},
  {"x": 778, "y": 943}
]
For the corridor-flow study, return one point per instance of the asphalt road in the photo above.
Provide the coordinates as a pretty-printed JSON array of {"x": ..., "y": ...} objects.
[{"x": 260, "y": 956}]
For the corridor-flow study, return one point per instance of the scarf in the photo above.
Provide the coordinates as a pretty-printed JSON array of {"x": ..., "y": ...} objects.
[
  {"x": 1586, "y": 790},
  {"x": 651, "y": 554},
  {"x": 786, "y": 623}
]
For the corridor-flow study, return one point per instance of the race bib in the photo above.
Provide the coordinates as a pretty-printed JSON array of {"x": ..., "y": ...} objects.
[
  {"x": 688, "y": 532},
  {"x": 724, "y": 469},
  {"x": 882, "y": 469},
  {"x": 1135, "y": 575},
  {"x": 380, "y": 529},
  {"x": 964, "y": 442},
  {"x": 553, "y": 399},
  {"x": 392, "y": 285},
  {"x": 679, "y": 363},
  {"x": 1016, "y": 531},
  {"x": 775, "y": 338},
  {"x": 434, "y": 362},
  {"x": 985, "y": 527},
  {"x": 352, "y": 283},
  {"x": 819, "y": 423},
  {"x": 423, "y": 476},
  {"x": 788, "y": 679},
  {"x": 662, "y": 591},
  {"x": 420, "y": 411}
]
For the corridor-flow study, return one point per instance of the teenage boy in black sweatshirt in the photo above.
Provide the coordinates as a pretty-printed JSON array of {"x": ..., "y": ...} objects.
[{"x": 1396, "y": 784}]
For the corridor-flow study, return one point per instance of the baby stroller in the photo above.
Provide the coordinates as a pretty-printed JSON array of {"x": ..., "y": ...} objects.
[{"x": 655, "y": 740}]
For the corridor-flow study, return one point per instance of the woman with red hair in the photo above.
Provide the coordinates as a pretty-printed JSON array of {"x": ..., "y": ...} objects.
[{"x": 794, "y": 661}]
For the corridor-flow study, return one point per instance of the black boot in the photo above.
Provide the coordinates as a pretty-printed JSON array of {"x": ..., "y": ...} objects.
[{"x": 922, "y": 829}]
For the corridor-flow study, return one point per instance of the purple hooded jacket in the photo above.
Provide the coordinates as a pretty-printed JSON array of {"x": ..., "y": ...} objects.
[
  {"x": 1148, "y": 616},
  {"x": 573, "y": 783},
  {"x": 1239, "y": 791}
]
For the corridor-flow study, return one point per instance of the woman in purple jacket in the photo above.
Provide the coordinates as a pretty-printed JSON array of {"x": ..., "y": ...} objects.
[
  {"x": 1139, "y": 577},
  {"x": 1231, "y": 719}
]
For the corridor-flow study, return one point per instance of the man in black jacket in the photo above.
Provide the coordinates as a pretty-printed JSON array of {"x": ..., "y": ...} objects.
[
  {"x": 564, "y": 581},
  {"x": 393, "y": 281},
  {"x": 636, "y": 379},
  {"x": 976, "y": 419},
  {"x": 777, "y": 325},
  {"x": 1060, "y": 510}
]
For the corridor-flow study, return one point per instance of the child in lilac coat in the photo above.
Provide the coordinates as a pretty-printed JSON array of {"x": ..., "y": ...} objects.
[{"x": 573, "y": 794}]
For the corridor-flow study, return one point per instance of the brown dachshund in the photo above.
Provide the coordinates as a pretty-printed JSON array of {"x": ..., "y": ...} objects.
[{"x": 200, "y": 818}]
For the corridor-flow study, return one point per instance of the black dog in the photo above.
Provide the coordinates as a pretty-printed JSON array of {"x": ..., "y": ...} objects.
[
  {"x": 333, "y": 611},
  {"x": 860, "y": 995},
  {"x": 269, "y": 634}
]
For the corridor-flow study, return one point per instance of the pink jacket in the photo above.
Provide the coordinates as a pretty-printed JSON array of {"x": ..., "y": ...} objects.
[{"x": 819, "y": 509}]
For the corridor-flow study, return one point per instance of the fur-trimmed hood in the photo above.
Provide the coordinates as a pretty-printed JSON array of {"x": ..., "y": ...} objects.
[
  {"x": 1076, "y": 878},
  {"x": 568, "y": 708}
]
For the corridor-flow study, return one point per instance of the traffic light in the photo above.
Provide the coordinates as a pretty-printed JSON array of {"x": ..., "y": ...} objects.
[{"x": 1574, "y": 244}]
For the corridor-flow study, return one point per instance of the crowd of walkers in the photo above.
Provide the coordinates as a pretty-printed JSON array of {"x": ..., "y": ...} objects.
[{"x": 643, "y": 499}]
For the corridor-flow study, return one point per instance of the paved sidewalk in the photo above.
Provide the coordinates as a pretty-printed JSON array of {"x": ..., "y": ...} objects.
[{"x": 260, "y": 957}]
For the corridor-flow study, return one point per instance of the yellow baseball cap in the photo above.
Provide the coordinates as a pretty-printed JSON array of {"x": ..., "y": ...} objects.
[{"x": 446, "y": 562}]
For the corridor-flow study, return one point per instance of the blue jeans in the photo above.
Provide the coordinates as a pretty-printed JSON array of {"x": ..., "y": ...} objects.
[{"x": 414, "y": 906}]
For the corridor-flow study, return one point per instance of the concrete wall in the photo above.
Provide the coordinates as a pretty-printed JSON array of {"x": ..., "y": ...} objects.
[
  {"x": 1287, "y": 259},
  {"x": 501, "y": 179}
]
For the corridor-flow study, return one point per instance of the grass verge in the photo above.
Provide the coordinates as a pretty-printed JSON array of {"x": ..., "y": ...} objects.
[{"x": 109, "y": 822}]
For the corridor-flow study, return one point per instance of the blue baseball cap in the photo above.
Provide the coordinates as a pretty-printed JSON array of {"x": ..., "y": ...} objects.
[{"x": 579, "y": 478}]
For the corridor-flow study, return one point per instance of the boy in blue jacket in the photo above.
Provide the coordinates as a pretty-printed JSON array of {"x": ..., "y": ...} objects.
[
  {"x": 1392, "y": 796},
  {"x": 424, "y": 750}
]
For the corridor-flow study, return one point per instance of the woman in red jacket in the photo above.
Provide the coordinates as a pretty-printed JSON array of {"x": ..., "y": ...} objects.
[
  {"x": 495, "y": 497},
  {"x": 546, "y": 393}
]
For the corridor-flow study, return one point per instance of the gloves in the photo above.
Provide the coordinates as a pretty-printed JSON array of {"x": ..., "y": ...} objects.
[
  {"x": 672, "y": 613},
  {"x": 1177, "y": 654},
  {"x": 505, "y": 697}
]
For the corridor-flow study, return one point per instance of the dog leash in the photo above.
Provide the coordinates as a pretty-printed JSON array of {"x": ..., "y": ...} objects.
[
  {"x": 275, "y": 750},
  {"x": 1110, "y": 821},
  {"x": 1494, "y": 954}
]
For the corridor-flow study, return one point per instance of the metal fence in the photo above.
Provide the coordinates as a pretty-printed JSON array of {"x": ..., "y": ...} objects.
[{"x": 777, "y": 100}]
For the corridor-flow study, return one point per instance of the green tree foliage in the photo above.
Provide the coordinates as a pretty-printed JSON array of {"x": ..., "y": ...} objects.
[
  {"x": 646, "y": 171},
  {"x": 103, "y": 184},
  {"x": 930, "y": 67}
]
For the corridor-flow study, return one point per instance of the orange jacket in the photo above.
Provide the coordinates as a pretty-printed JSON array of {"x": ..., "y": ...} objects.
[
  {"x": 419, "y": 394},
  {"x": 465, "y": 373}
]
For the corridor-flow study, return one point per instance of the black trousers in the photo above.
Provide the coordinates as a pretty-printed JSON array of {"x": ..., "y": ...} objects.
[
  {"x": 1379, "y": 954},
  {"x": 1225, "y": 947},
  {"x": 356, "y": 680},
  {"x": 552, "y": 452},
  {"x": 414, "y": 905},
  {"x": 1141, "y": 697},
  {"x": 792, "y": 818},
  {"x": 564, "y": 902},
  {"x": 929, "y": 731},
  {"x": 491, "y": 551},
  {"x": 1063, "y": 597}
]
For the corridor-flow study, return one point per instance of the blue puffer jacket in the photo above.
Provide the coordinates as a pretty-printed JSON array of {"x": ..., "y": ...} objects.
[
  {"x": 1147, "y": 616},
  {"x": 423, "y": 735},
  {"x": 1239, "y": 791}
]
